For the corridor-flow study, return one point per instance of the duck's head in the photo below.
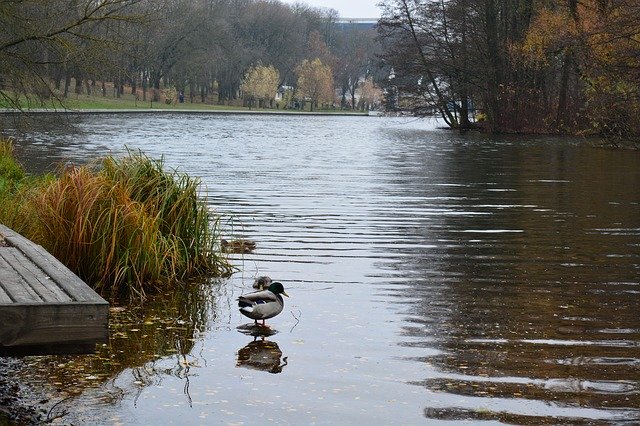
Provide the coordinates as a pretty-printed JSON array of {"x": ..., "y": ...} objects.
[
  {"x": 262, "y": 283},
  {"x": 277, "y": 288}
]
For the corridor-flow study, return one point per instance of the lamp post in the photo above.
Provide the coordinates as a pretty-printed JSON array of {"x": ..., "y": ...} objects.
[{"x": 392, "y": 92}]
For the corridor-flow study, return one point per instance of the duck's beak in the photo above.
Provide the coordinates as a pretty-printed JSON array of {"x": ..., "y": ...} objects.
[{"x": 284, "y": 293}]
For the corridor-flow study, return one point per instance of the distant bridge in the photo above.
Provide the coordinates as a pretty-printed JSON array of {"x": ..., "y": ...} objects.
[
  {"x": 372, "y": 21},
  {"x": 360, "y": 23}
]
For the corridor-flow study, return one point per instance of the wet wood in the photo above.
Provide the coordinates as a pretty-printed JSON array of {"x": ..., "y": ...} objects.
[{"x": 44, "y": 307}]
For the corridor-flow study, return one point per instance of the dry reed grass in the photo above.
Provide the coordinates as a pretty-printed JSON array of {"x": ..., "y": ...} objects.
[{"x": 126, "y": 226}]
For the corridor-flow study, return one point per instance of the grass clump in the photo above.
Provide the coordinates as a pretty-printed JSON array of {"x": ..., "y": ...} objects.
[
  {"x": 16, "y": 188},
  {"x": 126, "y": 226}
]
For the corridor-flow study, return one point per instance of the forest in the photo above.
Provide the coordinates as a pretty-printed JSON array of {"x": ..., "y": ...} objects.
[
  {"x": 526, "y": 66},
  {"x": 521, "y": 66},
  {"x": 211, "y": 51}
]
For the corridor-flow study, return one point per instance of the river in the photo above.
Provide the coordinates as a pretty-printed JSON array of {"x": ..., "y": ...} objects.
[{"x": 434, "y": 277}]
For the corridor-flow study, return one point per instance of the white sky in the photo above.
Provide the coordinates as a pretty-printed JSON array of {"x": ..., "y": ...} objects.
[{"x": 346, "y": 8}]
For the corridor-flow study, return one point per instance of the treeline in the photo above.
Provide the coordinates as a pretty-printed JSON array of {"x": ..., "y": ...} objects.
[
  {"x": 518, "y": 65},
  {"x": 200, "y": 48}
]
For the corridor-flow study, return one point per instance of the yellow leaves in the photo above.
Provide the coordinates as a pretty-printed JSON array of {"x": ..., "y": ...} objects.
[
  {"x": 261, "y": 82},
  {"x": 603, "y": 36},
  {"x": 548, "y": 34},
  {"x": 315, "y": 81}
]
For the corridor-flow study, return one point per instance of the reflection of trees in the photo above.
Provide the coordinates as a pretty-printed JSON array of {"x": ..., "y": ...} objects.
[
  {"x": 166, "y": 326},
  {"x": 514, "y": 314}
]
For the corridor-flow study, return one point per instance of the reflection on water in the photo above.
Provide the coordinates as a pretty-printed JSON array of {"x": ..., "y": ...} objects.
[
  {"x": 520, "y": 274},
  {"x": 433, "y": 275},
  {"x": 166, "y": 327},
  {"x": 262, "y": 355}
]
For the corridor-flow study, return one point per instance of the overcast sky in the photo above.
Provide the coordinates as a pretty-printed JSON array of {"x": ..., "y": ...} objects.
[{"x": 346, "y": 8}]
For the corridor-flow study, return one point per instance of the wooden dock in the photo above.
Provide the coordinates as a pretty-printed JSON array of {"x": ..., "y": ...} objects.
[{"x": 44, "y": 307}]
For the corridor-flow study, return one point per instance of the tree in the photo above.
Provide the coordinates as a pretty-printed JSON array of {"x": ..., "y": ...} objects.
[
  {"x": 530, "y": 66},
  {"x": 315, "y": 81},
  {"x": 424, "y": 49},
  {"x": 586, "y": 54},
  {"x": 42, "y": 36},
  {"x": 370, "y": 94},
  {"x": 355, "y": 52},
  {"x": 201, "y": 48},
  {"x": 261, "y": 83}
]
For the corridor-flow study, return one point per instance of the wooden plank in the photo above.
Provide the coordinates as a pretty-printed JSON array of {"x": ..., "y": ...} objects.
[
  {"x": 43, "y": 285},
  {"x": 59, "y": 324},
  {"x": 4, "y": 297},
  {"x": 67, "y": 280},
  {"x": 44, "y": 307},
  {"x": 15, "y": 286}
]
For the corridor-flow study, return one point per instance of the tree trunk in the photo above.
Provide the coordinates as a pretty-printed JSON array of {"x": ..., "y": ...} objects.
[
  {"x": 493, "y": 78},
  {"x": 563, "y": 89},
  {"x": 67, "y": 83}
]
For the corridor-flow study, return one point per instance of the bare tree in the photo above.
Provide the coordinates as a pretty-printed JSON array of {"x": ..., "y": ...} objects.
[{"x": 40, "y": 37}]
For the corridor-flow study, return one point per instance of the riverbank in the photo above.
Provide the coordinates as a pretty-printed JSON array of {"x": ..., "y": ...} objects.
[
  {"x": 14, "y": 408},
  {"x": 129, "y": 104},
  {"x": 185, "y": 111}
]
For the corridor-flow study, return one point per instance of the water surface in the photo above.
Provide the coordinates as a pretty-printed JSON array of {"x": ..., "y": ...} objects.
[{"x": 434, "y": 277}]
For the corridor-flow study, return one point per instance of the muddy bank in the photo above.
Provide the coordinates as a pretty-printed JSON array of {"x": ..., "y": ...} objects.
[{"x": 14, "y": 406}]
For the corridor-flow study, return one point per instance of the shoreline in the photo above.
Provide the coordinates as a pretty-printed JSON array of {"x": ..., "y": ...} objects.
[{"x": 7, "y": 111}]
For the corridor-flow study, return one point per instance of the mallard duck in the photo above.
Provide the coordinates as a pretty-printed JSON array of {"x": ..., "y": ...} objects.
[
  {"x": 238, "y": 246},
  {"x": 262, "y": 283},
  {"x": 262, "y": 305}
]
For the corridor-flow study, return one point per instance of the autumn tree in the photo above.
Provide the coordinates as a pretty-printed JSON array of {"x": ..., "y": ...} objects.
[
  {"x": 201, "y": 48},
  {"x": 530, "y": 66},
  {"x": 452, "y": 55},
  {"x": 586, "y": 54},
  {"x": 315, "y": 81},
  {"x": 261, "y": 83}
]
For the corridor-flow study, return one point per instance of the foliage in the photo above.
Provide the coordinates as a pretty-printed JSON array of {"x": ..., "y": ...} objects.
[
  {"x": 552, "y": 66},
  {"x": 170, "y": 95},
  {"x": 125, "y": 226},
  {"x": 10, "y": 171},
  {"x": 315, "y": 81},
  {"x": 261, "y": 82},
  {"x": 16, "y": 189},
  {"x": 55, "y": 49}
]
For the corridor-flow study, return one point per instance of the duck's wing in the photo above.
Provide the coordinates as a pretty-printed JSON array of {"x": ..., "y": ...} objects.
[
  {"x": 260, "y": 305},
  {"x": 258, "y": 297}
]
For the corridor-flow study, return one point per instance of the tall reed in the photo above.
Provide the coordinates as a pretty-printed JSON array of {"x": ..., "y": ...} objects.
[{"x": 125, "y": 226}]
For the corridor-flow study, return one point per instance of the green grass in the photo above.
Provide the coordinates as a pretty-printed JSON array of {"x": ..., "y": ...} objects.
[
  {"x": 88, "y": 102},
  {"x": 125, "y": 226},
  {"x": 128, "y": 102}
]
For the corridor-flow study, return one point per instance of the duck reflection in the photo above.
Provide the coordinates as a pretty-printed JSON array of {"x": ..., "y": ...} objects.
[{"x": 262, "y": 354}]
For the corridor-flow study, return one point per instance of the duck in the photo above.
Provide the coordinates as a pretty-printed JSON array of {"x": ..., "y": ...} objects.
[
  {"x": 239, "y": 246},
  {"x": 262, "y": 283},
  {"x": 264, "y": 304}
]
